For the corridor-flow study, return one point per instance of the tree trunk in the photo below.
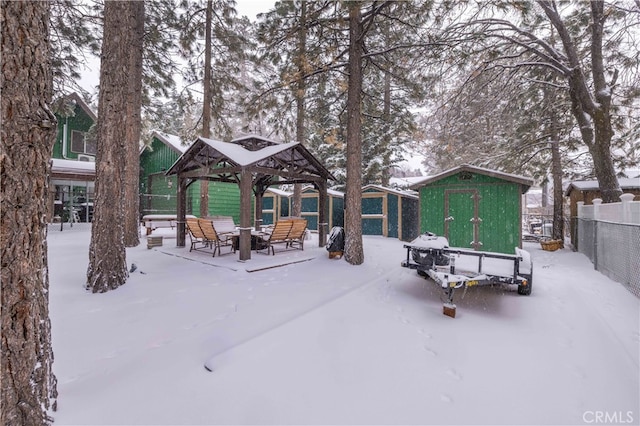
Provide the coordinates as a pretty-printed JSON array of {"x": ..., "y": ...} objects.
[
  {"x": 28, "y": 132},
  {"x": 557, "y": 232},
  {"x": 386, "y": 117},
  {"x": 206, "y": 103},
  {"x": 107, "y": 255},
  {"x": 592, "y": 109},
  {"x": 133, "y": 129},
  {"x": 300, "y": 94},
  {"x": 354, "y": 252}
]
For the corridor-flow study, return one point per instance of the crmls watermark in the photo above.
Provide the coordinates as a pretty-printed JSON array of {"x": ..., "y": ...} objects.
[{"x": 599, "y": 417}]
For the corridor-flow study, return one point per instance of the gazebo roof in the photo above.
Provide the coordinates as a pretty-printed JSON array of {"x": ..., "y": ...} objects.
[{"x": 217, "y": 160}]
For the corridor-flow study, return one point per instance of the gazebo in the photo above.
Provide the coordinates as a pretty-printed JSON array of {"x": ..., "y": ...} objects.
[{"x": 254, "y": 163}]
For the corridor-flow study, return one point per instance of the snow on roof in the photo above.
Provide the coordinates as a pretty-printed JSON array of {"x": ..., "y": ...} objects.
[
  {"x": 241, "y": 155},
  {"x": 284, "y": 193},
  {"x": 291, "y": 159},
  {"x": 280, "y": 192},
  {"x": 172, "y": 141},
  {"x": 402, "y": 193},
  {"x": 58, "y": 165},
  {"x": 524, "y": 181},
  {"x": 406, "y": 182},
  {"x": 593, "y": 185}
]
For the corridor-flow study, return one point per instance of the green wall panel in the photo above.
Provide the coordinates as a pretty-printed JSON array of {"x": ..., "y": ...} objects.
[
  {"x": 372, "y": 205},
  {"x": 371, "y": 226},
  {"x": 392, "y": 215}
]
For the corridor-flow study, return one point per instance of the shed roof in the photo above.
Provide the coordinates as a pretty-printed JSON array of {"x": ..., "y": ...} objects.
[
  {"x": 525, "y": 182},
  {"x": 593, "y": 185},
  {"x": 399, "y": 192},
  {"x": 220, "y": 160}
]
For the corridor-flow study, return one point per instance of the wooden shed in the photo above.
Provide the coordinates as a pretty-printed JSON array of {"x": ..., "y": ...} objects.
[
  {"x": 587, "y": 191},
  {"x": 310, "y": 206},
  {"x": 474, "y": 208},
  {"x": 389, "y": 212},
  {"x": 276, "y": 203}
]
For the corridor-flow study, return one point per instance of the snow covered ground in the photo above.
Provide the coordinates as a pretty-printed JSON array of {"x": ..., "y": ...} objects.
[{"x": 324, "y": 342}]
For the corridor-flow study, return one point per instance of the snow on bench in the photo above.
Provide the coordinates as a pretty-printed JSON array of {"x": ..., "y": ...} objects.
[{"x": 155, "y": 221}]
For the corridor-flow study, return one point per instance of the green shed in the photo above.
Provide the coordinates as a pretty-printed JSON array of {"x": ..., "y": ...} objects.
[
  {"x": 389, "y": 212},
  {"x": 310, "y": 203},
  {"x": 276, "y": 203},
  {"x": 474, "y": 208}
]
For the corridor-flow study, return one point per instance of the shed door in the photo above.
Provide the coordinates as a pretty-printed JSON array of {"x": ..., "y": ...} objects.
[{"x": 461, "y": 220}]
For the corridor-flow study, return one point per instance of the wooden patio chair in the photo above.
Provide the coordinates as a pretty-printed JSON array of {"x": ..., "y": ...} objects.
[
  {"x": 196, "y": 235},
  {"x": 297, "y": 233},
  {"x": 225, "y": 228},
  {"x": 278, "y": 235},
  {"x": 211, "y": 235}
]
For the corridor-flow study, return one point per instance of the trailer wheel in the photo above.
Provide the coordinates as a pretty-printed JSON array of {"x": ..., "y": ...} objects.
[{"x": 525, "y": 290}]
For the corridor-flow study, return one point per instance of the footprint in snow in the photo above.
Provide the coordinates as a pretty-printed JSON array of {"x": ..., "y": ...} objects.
[
  {"x": 446, "y": 398},
  {"x": 404, "y": 320},
  {"x": 454, "y": 374},
  {"x": 424, "y": 333},
  {"x": 430, "y": 351}
]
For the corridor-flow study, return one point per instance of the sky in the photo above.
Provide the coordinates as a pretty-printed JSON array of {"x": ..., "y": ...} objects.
[
  {"x": 298, "y": 338},
  {"x": 250, "y": 8}
]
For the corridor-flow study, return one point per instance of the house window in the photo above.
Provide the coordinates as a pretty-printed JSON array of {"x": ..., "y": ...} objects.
[{"x": 80, "y": 145}]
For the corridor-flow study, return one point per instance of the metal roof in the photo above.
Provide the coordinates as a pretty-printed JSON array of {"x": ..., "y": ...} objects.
[{"x": 593, "y": 185}]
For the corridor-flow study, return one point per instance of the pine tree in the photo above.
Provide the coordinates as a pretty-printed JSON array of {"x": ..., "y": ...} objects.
[
  {"x": 133, "y": 127},
  {"x": 28, "y": 386},
  {"x": 107, "y": 256}
]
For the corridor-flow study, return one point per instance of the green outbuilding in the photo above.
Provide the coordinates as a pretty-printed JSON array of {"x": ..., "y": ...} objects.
[
  {"x": 389, "y": 212},
  {"x": 311, "y": 204},
  {"x": 474, "y": 208},
  {"x": 276, "y": 203}
]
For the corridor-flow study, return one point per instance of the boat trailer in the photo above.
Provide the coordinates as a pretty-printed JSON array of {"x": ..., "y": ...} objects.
[{"x": 458, "y": 268}]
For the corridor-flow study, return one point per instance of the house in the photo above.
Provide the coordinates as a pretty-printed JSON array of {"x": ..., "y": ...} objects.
[
  {"x": 474, "y": 208},
  {"x": 390, "y": 212},
  {"x": 73, "y": 163},
  {"x": 159, "y": 192},
  {"x": 587, "y": 191}
]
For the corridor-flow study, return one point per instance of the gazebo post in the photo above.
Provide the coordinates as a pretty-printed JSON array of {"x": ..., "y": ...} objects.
[
  {"x": 245, "y": 214},
  {"x": 323, "y": 224},
  {"x": 182, "y": 211},
  {"x": 257, "y": 219}
]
